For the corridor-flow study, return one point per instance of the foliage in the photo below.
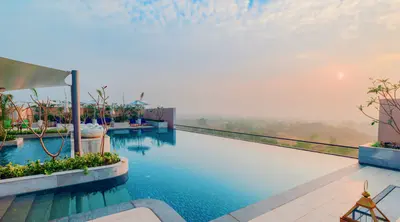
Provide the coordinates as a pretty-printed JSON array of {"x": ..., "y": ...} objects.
[
  {"x": 51, "y": 118},
  {"x": 56, "y": 165},
  {"x": 101, "y": 103},
  {"x": 5, "y": 104},
  {"x": 376, "y": 144},
  {"x": 158, "y": 112},
  {"x": 8, "y": 137},
  {"x": 38, "y": 131},
  {"x": 386, "y": 90},
  {"x": 140, "y": 108}
]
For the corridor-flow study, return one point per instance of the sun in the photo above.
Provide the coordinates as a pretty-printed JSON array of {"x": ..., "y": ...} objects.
[{"x": 340, "y": 75}]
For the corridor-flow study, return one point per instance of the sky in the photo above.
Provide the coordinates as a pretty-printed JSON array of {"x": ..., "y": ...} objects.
[{"x": 308, "y": 59}]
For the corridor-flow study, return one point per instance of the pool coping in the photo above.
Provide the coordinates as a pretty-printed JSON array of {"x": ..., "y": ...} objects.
[
  {"x": 162, "y": 210},
  {"x": 255, "y": 210},
  {"x": 28, "y": 184}
]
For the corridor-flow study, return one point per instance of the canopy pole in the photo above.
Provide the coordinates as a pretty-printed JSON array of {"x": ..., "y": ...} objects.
[{"x": 76, "y": 108}]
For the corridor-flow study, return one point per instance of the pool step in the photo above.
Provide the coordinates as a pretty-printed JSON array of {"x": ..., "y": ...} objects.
[
  {"x": 5, "y": 203},
  {"x": 19, "y": 208},
  {"x": 96, "y": 200},
  {"x": 117, "y": 195},
  {"x": 41, "y": 207},
  {"x": 61, "y": 205},
  {"x": 81, "y": 203}
]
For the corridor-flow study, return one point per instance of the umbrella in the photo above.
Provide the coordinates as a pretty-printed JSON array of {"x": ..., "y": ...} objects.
[
  {"x": 88, "y": 103},
  {"x": 138, "y": 103}
]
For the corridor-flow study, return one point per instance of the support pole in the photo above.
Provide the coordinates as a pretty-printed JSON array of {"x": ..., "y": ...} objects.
[{"x": 76, "y": 108}]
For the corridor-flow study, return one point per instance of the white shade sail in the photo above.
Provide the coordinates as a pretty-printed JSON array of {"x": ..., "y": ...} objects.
[{"x": 16, "y": 75}]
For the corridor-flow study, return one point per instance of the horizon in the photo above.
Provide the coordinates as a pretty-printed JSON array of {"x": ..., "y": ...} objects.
[{"x": 279, "y": 59}]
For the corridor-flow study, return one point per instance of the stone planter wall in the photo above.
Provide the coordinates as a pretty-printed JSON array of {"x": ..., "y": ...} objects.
[
  {"x": 34, "y": 183},
  {"x": 380, "y": 157},
  {"x": 158, "y": 124}
]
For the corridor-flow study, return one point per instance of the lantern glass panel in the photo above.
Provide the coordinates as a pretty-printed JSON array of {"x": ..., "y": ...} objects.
[{"x": 363, "y": 214}]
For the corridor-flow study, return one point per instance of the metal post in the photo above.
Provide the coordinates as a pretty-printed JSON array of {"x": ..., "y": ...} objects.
[{"x": 76, "y": 108}]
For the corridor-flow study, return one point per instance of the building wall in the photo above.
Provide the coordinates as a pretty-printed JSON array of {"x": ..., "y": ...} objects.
[
  {"x": 385, "y": 132},
  {"x": 168, "y": 116}
]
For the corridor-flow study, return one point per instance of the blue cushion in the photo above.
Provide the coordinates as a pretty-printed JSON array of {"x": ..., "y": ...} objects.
[{"x": 88, "y": 120}]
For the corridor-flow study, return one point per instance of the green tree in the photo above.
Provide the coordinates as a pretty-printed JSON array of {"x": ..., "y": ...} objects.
[
  {"x": 5, "y": 104},
  {"x": 202, "y": 122}
]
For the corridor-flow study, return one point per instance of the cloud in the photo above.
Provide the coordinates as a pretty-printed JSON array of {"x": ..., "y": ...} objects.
[{"x": 287, "y": 16}]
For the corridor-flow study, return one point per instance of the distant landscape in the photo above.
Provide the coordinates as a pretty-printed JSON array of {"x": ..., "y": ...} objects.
[{"x": 343, "y": 133}]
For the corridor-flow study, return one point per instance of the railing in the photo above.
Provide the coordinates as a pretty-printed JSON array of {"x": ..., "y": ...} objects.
[{"x": 341, "y": 150}]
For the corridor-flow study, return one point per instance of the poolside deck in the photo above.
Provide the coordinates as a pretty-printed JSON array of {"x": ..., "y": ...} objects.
[
  {"x": 137, "y": 214},
  {"x": 329, "y": 201}
]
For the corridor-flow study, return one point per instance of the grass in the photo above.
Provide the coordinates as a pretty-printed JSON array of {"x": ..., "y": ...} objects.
[{"x": 341, "y": 151}]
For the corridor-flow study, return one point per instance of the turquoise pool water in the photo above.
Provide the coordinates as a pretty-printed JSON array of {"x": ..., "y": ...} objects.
[{"x": 202, "y": 177}]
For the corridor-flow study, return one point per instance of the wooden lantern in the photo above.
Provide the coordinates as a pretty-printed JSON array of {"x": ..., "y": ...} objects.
[{"x": 364, "y": 210}]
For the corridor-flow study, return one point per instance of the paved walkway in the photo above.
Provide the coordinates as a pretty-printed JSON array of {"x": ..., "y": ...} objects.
[
  {"x": 330, "y": 202},
  {"x": 140, "y": 214}
]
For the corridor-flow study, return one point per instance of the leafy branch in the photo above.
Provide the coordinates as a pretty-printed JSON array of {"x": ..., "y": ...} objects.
[
  {"x": 384, "y": 100},
  {"x": 101, "y": 104}
]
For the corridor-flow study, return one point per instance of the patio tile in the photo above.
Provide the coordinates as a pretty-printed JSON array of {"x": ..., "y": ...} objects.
[
  {"x": 316, "y": 216},
  {"x": 134, "y": 215},
  {"x": 330, "y": 202}
]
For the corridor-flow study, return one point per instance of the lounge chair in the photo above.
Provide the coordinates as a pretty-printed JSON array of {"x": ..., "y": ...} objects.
[
  {"x": 25, "y": 124},
  {"x": 7, "y": 124},
  {"x": 132, "y": 122},
  {"x": 107, "y": 121},
  {"x": 88, "y": 120}
]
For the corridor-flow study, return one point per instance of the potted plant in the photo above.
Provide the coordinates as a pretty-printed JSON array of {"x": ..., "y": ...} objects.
[{"x": 386, "y": 151}]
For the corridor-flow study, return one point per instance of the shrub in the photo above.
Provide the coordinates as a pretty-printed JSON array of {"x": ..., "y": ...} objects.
[
  {"x": 24, "y": 132},
  {"x": 56, "y": 165},
  {"x": 8, "y": 137}
]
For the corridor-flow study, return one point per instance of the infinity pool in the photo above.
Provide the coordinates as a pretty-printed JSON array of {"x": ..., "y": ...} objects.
[{"x": 202, "y": 177}]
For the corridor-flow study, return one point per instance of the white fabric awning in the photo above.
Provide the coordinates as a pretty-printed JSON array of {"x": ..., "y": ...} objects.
[{"x": 16, "y": 75}]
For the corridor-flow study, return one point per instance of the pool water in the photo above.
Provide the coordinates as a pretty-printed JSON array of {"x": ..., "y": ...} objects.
[{"x": 202, "y": 177}]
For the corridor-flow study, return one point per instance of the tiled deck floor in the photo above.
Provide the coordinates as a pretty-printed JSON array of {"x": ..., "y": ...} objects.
[
  {"x": 330, "y": 202},
  {"x": 138, "y": 214}
]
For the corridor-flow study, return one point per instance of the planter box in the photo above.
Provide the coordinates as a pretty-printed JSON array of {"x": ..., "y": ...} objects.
[
  {"x": 34, "y": 183},
  {"x": 380, "y": 157},
  {"x": 92, "y": 145},
  {"x": 158, "y": 124}
]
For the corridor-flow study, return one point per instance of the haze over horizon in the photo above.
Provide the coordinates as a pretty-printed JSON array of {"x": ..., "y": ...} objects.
[{"x": 283, "y": 59}]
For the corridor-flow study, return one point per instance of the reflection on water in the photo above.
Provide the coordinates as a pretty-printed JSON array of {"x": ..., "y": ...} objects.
[
  {"x": 134, "y": 140},
  {"x": 32, "y": 150}
]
